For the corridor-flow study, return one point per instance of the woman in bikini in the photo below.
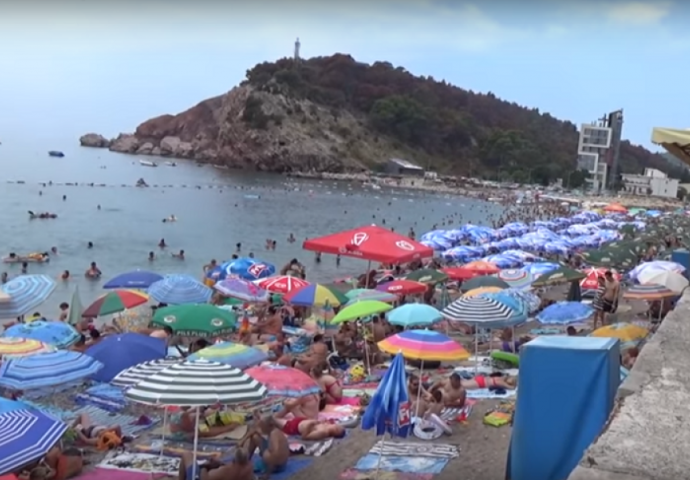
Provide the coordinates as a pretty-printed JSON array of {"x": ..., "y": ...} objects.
[
  {"x": 481, "y": 381},
  {"x": 330, "y": 386}
]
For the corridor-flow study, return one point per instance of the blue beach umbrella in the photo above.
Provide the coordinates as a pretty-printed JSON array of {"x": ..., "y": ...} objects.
[
  {"x": 250, "y": 268},
  {"x": 389, "y": 408},
  {"x": 414, "y": 314},
  {"x": 120, "y": 352},
  {"x": 26, "y": 435},
  {"x": 180, "y": 289},
  {"x": 565, "y": 313},
  {"x": 58, "y": 334},
  {"x": 516, "y": 278},
  {"x": 47, "y": 370},
  {"x": 26, "y": 292},
  {"x": 136, "y": 280},
  {"x": 482, "y": 312}
]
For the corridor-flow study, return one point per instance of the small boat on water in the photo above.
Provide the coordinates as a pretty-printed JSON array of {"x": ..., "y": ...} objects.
[
  {"x": 147, "y": 163},
  {"x": 171, "y": 164},
  {"x": 55, "y": 153}
]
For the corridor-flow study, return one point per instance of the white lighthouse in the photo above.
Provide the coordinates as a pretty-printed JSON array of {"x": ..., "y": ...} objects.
[{"x": 297, "y": 46}]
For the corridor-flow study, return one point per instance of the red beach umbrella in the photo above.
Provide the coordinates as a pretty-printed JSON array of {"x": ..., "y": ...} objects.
[{"x": 402, "y": 287}]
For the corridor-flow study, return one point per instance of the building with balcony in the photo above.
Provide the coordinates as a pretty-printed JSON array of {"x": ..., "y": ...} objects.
[
  {"x": 597, "y": 150},
  {"x": 653, "y": 183}
]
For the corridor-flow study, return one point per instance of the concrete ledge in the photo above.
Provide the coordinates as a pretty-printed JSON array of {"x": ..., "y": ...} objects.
[{"x": 648, "y": 435}]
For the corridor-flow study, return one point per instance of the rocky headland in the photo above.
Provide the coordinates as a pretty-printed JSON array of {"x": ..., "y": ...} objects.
[{"x": 334, "y": 114}]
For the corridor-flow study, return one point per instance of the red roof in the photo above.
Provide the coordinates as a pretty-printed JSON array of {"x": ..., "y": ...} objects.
[{"x": 371, "y": 243}]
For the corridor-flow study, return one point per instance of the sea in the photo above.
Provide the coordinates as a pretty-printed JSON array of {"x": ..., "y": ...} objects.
[{"x": 215, "y": 210}]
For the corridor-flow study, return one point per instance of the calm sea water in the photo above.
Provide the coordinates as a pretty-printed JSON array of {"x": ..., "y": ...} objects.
[{"x": 215, "y": 209}]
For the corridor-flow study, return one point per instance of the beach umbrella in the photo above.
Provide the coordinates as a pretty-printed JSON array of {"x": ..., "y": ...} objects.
[
  {"x": 115, "y": 302},
  {"x": 361, "y": 294},
  {"x": 610, "y": 257},
  {"x": 361, "y": 309},
  {"x": 137, "y": 373},
  {"x": 47, "y": 370},
  {"x": 424, "y": 345},
  {"x": 558, "y": 276},
  {"x": 460, "y": 274},
  {"x": 478, "y": 291},
  {"x": 655, "y": 265},
  {"x": 26, "y": 435},
  {"x": 615, "y": 208},
  {"x": 250, "y": 268},
  {"x": 11, "y": 347},
  {"x": 649, "y": 292},
  {"x": 414, "y": 314},
  {"x": 482, "y": 312},
  {"x": 514, "y": 302},
  {"x": 136, "y": 279},
  {"x": 531, "y": 301},
  {"x": 483, "y": 281},
  {"x": 58, "y": 334},
  {"x": 516, "y": 278},
  {"x": 672, "y": 280},
  {"x": 389, "y": 408},
  {"x": 591, "y": 281},
  {"x": 315, "y": 294},
  {"x": 179, "y": 290},
  {"x": 565, "y": 313},
  {"x": 243, "y": 290},
  {"x": 427, "y": 275},
  {"x": 282, "y": 284},
  {"x": 623, "y": 331},
  {"x": 75, "y": 308},
  {"x": 402, "y": 287},
  {"x": 284, "y": 381},
  {"x": 120, "y": 352},
  {"x": 481, "y": 267},
  {"x": 233, "y": 354},
  {"x": 196, "y": 320},
  {"x": 26, "y": 293}
]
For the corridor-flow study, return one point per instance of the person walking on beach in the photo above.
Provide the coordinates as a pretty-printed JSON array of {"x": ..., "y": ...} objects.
[
  {"x": 598, "y": 303},
  {"x": 611, "y": 292}
]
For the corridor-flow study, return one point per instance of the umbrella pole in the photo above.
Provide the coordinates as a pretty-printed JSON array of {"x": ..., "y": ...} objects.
[
  {"x": 419, "y": 390},
  {"x": 366, "y": 281},
  {"x": 476, "y": 351},
  {"x": 378, "y": 464},
  {"x": 195, "y": 472}
]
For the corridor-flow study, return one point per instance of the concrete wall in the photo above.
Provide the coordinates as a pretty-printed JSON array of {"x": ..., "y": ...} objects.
[{"x": 648, "y": 437}]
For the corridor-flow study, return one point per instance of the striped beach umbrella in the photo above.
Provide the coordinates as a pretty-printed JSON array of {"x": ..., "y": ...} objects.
[
  {"x": 26, "y": 293},
  {"x": 195, "y": 383},
  {"x": 115, "y": 302},
  {"x": 516, "y": 278},
  {"x": 425, "y": 345},
  {"x": 234, "y": 354},
  {"x": 26, "y": 435},
  {"x": 58, "y": 334},
  {"x": 482, "y": 312},
  {"x": 137, "y": 373},
  {"x": 12, "y": 347},
  {"x": 47, "y": 370},
  {"x": 649, "y": 292},
  {"x": 180, "y": 289}
]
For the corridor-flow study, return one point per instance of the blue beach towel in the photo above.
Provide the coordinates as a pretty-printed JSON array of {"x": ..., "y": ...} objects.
[{"x": 294, "y": 466}]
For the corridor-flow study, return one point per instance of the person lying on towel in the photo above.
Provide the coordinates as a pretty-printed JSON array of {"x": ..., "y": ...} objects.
[
  {"x": 239, "y": 468},
  {"x": 309, "y": 429}
]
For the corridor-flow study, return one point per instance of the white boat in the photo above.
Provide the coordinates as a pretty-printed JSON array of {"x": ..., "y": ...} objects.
[
  {"x": 171, "y": 164},
  {"x": 146, "y": 163}
]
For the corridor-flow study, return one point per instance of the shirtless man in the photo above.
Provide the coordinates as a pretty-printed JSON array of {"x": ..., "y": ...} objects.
[
  {"x": 452, "y": 391},
  {"x": 239, "y": 469},
  {"x": 272, "y": 443},
  {"x": 611, "y": 292},
  {"x": 418, "y": 395},
  {"x": 310, "y": 430},
  {"x": 318, "y": 352},
  {"x": 271, "y": 324},
  {"x": 303, "y": 407}
]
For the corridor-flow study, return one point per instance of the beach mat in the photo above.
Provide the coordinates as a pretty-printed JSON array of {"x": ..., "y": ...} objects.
[
  {"x": 234, "y": 436},
  {"x": 175, "y": 452},
  {"x": 141, "y": 463},
  {"x": 294, "y": 466},
  {"x": 353, "y": 474},
  {"x": 485, "y": 393},
  {"x": 458, "y": 414},
  {"x": 113, "y": 474},
  {"x": 428, "y": 465},
  {"x": 414, "y": 449}
]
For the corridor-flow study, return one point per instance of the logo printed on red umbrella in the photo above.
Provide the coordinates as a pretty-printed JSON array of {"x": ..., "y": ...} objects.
[
  {"x": 359, "y": 238},
  {"x": 256, "y": 269},
  {"x": 404, "y": 414},
  {"x": 405, "y": 245},
  {"x": 394, "y": 288}
]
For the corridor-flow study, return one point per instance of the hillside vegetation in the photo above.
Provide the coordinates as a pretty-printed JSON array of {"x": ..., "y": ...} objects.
[{"x": 436, "y": 124}]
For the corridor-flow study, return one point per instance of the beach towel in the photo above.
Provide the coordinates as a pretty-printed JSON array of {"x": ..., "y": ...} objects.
[
  {"x": 485, "y": 393},
  {"x": 468, "y": 372},
  {"x": 99, "y": 473},
  {"x": 140, "y": 462},
  {"x": 128, "y": 423},
  {"x": 169, "y": 451},
  {"x": 41, "y": 393},
  {"x": 353, "y": 474},
  {"x": 234, "y": 436},
  {"x": 294, "y": 466},
  {"x": 429, "y": 465},
  {"x": 414, "y": 449},
  {"x": 449, "y": 415},
  {"x": 103, "y": 396},
  {"x": 546, "y": 331}
]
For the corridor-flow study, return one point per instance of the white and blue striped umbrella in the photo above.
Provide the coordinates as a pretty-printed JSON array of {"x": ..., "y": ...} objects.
[
  {"x": 26, "y": 292},
  {"x": 179, "y": 290},
  {"x": 47, "y": 370},
  {"x": 516, "y": 278},
  {"x": 565, "y": 313},
  {"x": 482, "y": 312},
  {"x": 58, "y": 334},
  {"x": 26, "y": 435}
]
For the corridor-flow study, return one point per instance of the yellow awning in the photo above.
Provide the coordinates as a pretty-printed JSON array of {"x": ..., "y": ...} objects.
[{"x": 676, "y": 142}]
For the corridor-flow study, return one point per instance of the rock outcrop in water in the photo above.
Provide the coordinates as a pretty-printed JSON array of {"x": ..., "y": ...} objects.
[
  {"x": 333, "y": 114},
  {"x": 94, "y": 140}
]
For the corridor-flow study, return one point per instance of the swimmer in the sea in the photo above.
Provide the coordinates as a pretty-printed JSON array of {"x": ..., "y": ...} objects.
[
  {"x": 65, "y": 275},
  {"x": 93, "y": 271},
  {"x": 152, "y": 256},
  {"x": 162, "y": 244},
  {"x": 89, "y": 245},
  {"x": 179, "y": 255}
]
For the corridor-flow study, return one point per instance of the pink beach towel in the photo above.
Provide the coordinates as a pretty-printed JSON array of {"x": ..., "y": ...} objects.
[{"x": 113, "y": 474}]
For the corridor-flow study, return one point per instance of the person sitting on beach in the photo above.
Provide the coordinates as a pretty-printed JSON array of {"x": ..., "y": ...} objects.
[
  {"x": 452, "y": 392},
  {"x": 318, "y": 353},
  {"x": 332, "y": 390},
  {"x": 272, "y": 443},
  {"x": 309, "y": 429},
  {"x": 240, "y": 468},
  {"x": 303, "y": 407},
  {"x": 270, "y": 324},
  {"x": 80, "y": 346},
  {"x": 59, "y": 465},
  {"x": 490, "y": 382},
  {"x": 93, "y": 272},
  {"x": 418, "y": 395},
  {"x": 184, "y": 422}
]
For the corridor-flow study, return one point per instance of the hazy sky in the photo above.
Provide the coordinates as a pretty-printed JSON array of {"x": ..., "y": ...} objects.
[{"x": 69, "y": 67}]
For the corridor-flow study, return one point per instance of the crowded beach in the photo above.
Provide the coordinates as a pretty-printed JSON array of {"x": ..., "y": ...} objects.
[{"x": 253, "y": 371}]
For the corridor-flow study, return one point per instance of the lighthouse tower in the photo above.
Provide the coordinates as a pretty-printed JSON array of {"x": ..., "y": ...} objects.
[{"x": 297, "y": 46}]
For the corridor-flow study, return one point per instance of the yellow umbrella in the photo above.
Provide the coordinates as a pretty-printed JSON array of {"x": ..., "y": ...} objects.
[
  {"x": 625, "y": 332},
  {"x": 477, "y": 291},
  {"x": 12, "y": 347}
]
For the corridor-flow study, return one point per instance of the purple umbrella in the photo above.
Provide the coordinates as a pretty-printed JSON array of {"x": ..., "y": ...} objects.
[{"x": 242, "y": 289}]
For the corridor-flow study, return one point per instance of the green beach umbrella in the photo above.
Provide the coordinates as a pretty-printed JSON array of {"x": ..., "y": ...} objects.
[
  {"x": 427, "y": 275},
  {"x": 196, "y": 320},
  {"x": 75, "y": 308},
  {"x": 361, "y": 309},
  {"x": 611, "y": 257},
  {"x": 482, "y": 282},
  {"x": 558, "y": 276}
]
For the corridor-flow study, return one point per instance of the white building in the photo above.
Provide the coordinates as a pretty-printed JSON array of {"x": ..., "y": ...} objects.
[
  {"x": 653, "y": 183},
  {"x": 592, "y": 153}
]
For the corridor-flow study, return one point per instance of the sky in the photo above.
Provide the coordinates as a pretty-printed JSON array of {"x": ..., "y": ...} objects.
[{"x": 72, "y": 67}]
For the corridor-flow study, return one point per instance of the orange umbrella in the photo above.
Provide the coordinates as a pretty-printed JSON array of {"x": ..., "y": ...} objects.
[
  {"x": 616, "y": 208},
  {"x": 460, "y": 273},
  {"x": 482, "y": 267}
]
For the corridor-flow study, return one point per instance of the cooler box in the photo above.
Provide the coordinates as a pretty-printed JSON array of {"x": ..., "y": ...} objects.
[
  {"x": 566, "y": 390},
  {"x": 682, "y": 256}
]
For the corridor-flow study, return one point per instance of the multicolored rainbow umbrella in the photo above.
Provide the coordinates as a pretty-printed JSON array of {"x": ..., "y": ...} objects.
[
  {"x": 315, "y": 294},
  {"x": 13, "y": 347},
  {"x": 115, "y": 302},
  {"x": 516, "y": 278},
  {"x": 424, "y": 345},
  {"x": 233, "y": 354}
]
